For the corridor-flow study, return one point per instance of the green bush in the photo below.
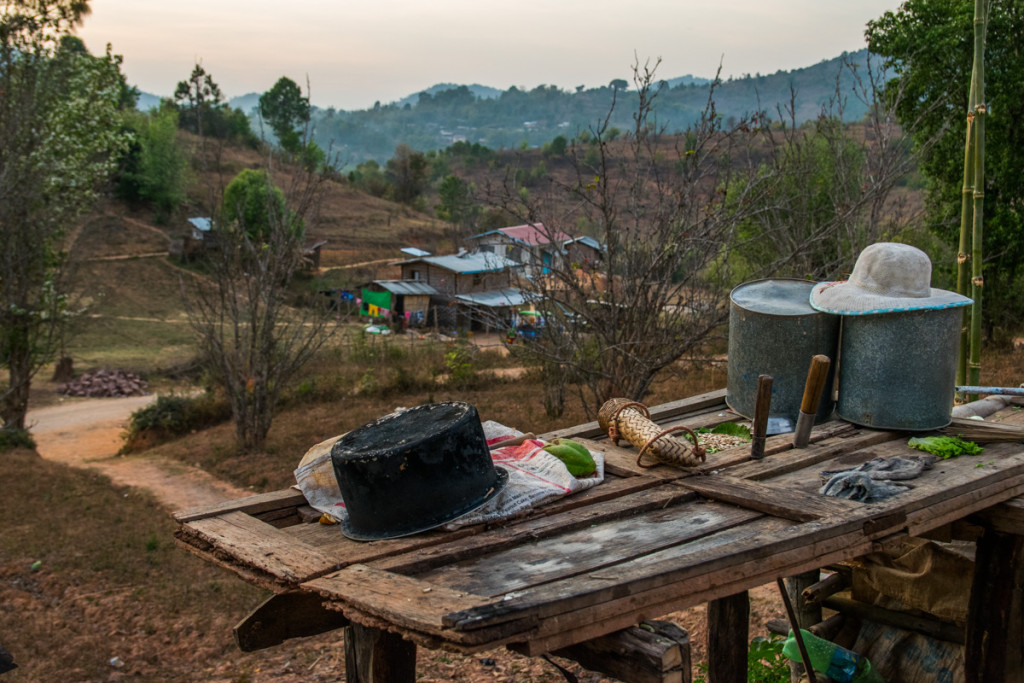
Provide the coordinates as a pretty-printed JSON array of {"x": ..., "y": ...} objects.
[
  {"x": 171, "y": 416},
  {"x": 15, "y": 438},
  {"x": 765, "y": 662}
]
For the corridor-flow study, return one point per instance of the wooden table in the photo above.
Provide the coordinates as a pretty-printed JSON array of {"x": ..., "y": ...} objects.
[{"x": 644, "y": 543}]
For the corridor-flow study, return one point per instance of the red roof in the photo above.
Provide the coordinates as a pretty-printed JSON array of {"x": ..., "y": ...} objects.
[{"x": 532, "y": 234}]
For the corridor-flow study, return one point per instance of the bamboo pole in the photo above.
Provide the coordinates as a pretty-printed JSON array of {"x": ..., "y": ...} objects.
[
  {"x": 963, "y": 268},
  {"x": 981, "y": 8}
]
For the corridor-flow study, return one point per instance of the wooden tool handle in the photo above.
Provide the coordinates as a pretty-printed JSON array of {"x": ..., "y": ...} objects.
[
  {"x": 762, "y": 406},
  {"x": 816, "y": 378}
]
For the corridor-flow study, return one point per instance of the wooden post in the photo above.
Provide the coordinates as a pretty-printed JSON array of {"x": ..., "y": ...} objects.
[
  {"x": 807, "y": 614},
  {"x": 376, "y": 656},
  {"x": 728, "y": 638},
  {"x": 995, "y": 634}
]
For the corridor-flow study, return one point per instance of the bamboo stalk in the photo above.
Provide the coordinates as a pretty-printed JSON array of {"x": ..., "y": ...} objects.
[
  {"x": 977, "y": 279},
  {"x": 966, "y": 222},
  {"x": 963, "y": 269}
]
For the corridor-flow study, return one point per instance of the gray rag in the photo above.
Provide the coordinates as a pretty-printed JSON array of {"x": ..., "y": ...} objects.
[{"x": 873, "y": 480}]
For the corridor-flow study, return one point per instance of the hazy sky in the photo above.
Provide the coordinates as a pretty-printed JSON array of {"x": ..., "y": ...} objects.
[{"x": 357, "y": 52}]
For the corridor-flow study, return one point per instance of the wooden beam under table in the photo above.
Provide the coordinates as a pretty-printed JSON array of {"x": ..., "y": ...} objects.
[
  {"x": 284, "y": 616},
  {"x": 653, "y": 652}
]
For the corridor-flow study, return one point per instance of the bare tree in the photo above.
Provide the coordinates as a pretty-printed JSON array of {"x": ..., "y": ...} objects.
[
  {"x": 252, "y": 335},
  {"x": 683, "y": 218}
]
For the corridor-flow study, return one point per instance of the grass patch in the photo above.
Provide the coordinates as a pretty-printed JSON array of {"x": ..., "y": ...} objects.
[
  {"x": 138, "y": 345},
  {"x": 89, "y": 571}
]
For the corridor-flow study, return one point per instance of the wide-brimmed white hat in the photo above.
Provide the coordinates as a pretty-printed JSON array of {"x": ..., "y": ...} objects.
[{"x": 888, "y": 277}]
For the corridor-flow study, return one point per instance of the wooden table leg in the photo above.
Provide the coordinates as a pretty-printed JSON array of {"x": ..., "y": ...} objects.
[
  {"x": 376, "y": 656},
  {"x": 728, "y": 638},
  {"x": 995, "y": 633},
  {"x": 807, "y": 615}
]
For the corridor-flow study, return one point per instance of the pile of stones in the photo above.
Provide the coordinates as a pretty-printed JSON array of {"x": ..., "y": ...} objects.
[{"x": 105, "y": 384}]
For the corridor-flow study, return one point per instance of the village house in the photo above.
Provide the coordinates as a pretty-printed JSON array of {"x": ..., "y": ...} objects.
[
  {"x": 532, "y": 245},
  {"x": 583, "y": 252},
  {"x": 473, "y": 290},
  {"x": 399, "y": 302}
]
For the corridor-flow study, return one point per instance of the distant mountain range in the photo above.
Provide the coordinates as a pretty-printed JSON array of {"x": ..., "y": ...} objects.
[{"x": 446, "y": 113}]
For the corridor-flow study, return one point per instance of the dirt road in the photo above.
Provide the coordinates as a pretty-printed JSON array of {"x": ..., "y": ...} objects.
[{"x": 87, "y": 433}]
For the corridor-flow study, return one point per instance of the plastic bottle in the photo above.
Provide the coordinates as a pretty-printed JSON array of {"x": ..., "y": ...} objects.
[{"x": 838, "y": 663}]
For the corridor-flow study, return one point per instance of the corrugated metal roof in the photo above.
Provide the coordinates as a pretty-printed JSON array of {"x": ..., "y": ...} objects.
[
  {"x": 204, "y": 224},
  {"x": 587, "y": 240},
  {"x": 496, "y": 298},
  {"x": 407, "y": 287},
  {"x": 413, "y": 251},
  {"x": 466, "y": 263},
  {"x": 531, "y": 234}
]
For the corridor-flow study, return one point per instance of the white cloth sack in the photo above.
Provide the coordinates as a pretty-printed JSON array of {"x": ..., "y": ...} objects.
[{"x": 535, "y": 477}]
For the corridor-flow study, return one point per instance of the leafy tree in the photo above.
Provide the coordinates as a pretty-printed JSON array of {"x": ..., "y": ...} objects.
[
  {"x": 557, "y": 147},
  {"x": 407, "y": 172},
  {"x": 59, "y": 140},
  {"x": 369, "y": 178},
  {"x": 456, "y": 204},
  {"x": 256, "y": 205},
  {"x": 197, "y": 97},
  {"x": 202, "y": 110},
  {"x": 155, "y": 167},
  {"x": 286, "y": 110},
  {"x": 927, "y": 45}
]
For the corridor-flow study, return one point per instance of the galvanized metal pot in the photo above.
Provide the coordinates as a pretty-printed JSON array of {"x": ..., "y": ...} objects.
[
  {"x": 898, "y": 370},
  {"x": 773, "y": 330}
]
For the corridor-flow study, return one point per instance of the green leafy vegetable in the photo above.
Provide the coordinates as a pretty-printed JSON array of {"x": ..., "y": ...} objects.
[
  {"x": 945, "y": 447},
  {"x": 728, "y": 428}
]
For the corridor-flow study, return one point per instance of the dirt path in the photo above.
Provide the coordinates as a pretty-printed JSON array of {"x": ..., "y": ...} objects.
[{"x": 86, "y": 433}]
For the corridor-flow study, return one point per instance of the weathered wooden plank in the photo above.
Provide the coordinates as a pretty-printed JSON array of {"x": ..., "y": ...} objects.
[
  {"x": 779, "y": 500},
  {"x": 926, "y": 518},
  {"x": 958, "y": 487},
  {"x": 535, "y": 529},
  {"x": 587, "y": 550},
  {"x": 693, "y": 404},
  {"x": 774, "y": 445},
  {"x": 246, "y": 572},
  {"x": 284, "y": 616},
  {"x": 841, "y": 439},
  {"x": 728, "y": 634},
  {"x": 654, "y": 652},
  {"x": 621, "y": 462},
  {"x": 257, "y": 544},
  {"x": 1006, "y": 517},
  {"x": 259, "y": 503},
  {"x": 718, "y": 554},
  {"x": 612, "y": 613},
  {"x": 329, "y": 540},
  {"x": 401, "y": 600}
]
